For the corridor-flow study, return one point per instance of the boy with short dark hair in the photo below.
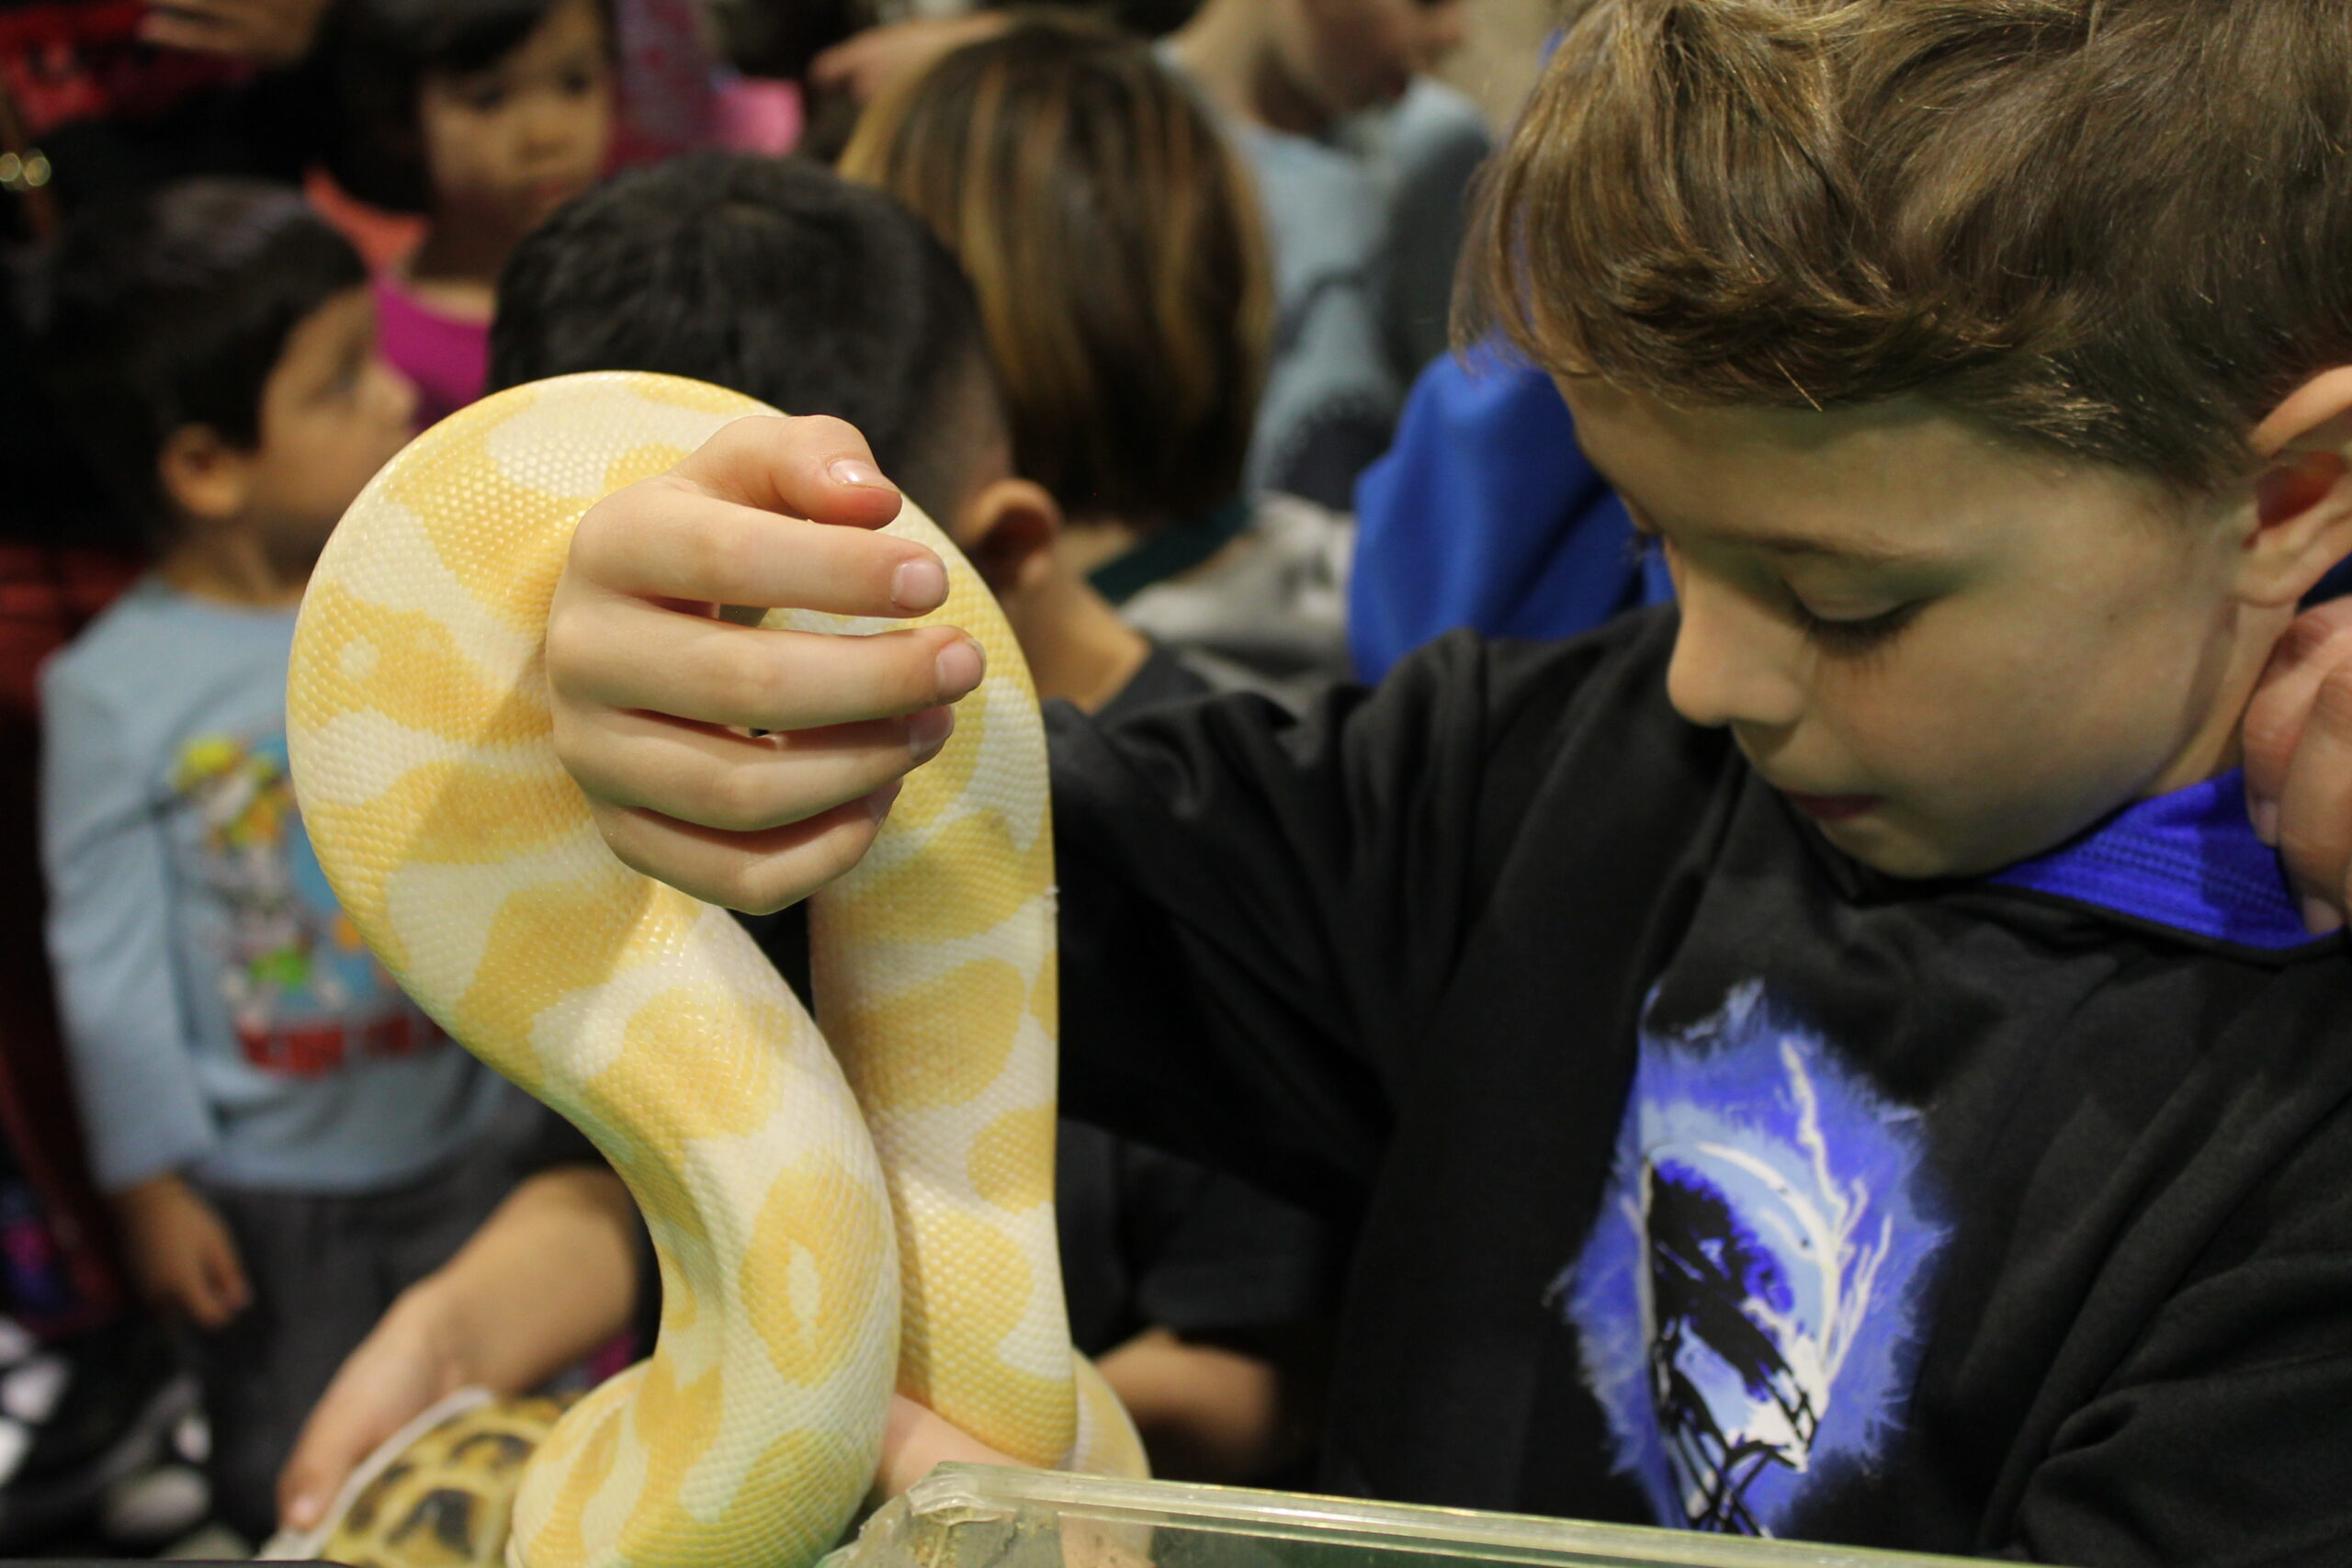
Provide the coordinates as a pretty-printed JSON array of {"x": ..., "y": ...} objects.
[
  {"x": 777, "y": 280},
  {"x": 287, "y": 1140},
  {"x": 1834, "y": 1060}
]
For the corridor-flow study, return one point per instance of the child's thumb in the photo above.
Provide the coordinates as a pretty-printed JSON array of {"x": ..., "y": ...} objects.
[{"x": 301, "y": 1510}]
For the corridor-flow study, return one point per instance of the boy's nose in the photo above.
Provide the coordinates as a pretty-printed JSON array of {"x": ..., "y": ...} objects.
[{"x": 1730, "y": 663}]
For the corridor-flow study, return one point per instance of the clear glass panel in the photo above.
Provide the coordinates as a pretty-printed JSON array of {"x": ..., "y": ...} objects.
[{"x": 971, "y": 1517}]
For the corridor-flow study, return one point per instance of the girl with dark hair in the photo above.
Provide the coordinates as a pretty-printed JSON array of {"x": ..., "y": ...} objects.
[{"x": 483, "y": 116}]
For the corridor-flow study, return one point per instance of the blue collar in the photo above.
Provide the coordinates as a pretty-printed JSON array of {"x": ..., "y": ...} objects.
[{"x": 2188, "y": 861}]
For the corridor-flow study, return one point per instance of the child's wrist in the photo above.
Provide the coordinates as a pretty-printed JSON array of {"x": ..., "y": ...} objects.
[
  {"x": 430, "y": 1318},
  {"x": 147, "y": 1195}
]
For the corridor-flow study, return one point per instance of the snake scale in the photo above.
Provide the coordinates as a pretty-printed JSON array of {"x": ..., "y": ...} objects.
[{"x": 835, "y": 1215}]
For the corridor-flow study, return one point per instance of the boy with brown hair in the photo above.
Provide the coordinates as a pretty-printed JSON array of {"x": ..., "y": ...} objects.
[{"x": 1836, "y": 1060}]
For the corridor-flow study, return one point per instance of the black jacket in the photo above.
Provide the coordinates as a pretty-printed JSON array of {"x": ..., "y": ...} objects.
[{"x": 1704, "y": 1178}]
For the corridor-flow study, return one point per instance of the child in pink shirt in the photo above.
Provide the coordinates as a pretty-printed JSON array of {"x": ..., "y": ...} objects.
[{"x": 483, "y": 116}]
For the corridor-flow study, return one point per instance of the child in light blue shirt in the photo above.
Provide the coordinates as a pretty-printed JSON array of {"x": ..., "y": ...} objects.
[{"x": 287, "y": 1141}]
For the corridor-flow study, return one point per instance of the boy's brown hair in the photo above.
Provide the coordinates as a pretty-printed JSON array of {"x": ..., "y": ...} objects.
[
  {"x": 1114, "y": 241},
  {"x": 2121, "y": 229}
]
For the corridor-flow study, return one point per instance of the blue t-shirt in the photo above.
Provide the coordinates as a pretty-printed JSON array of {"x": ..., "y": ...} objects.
[
  {"x": 1486, "y": 515},
  {"x": 221, "y": 1015}
]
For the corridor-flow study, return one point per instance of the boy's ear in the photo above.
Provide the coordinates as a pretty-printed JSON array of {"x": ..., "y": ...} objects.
[
  {"x": 2302, "y": 498},
  {"x": 203, "y": 477},
  {"x": 1008, "y": 531}
]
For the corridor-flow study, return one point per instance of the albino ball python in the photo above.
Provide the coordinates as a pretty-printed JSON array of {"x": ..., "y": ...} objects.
[{"x": 825, "y": 1231}]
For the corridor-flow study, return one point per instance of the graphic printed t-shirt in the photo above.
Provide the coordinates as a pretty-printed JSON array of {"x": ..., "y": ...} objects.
[
  {"x": 222, "y": 1014},
  {"x": 1702, "y": 1177}
]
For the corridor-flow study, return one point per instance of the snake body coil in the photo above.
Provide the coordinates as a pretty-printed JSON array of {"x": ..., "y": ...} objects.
[{"x": 829, "y": 1223}]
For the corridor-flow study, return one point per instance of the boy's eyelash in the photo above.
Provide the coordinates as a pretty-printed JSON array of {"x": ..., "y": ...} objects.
[
  {"x": 1851, "y": 637},
  {"x": 1854, "y": 637}
]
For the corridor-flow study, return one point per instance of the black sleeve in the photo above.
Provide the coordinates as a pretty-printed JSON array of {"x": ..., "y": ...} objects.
[
  {"x": 2222, "y": 1436},
  {"x": 1260, "y": 911},
  {"x": 1151, "y": 1240},
  {"x": 552, "y": 1143}
]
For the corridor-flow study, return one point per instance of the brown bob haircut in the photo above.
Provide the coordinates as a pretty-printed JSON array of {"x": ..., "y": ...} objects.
[
  {"x": 1112, "y": 239},
  {"x": 2119, "y": 229}
]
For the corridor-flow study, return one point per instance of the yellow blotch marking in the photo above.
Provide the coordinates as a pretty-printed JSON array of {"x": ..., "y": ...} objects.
[
  {"x": 405, "y": 664},
  {"x": 935, "y": 1043},
  {"x": 1012, "y": 1162},
  {"x": 683, "y": 392},
  {"x": 808, "y": 1279},
  {"x": 679, "y": 1421},
  {"x": 460, "y": 813},
  {"x": 947, "y": 1360},
  {"x": 795, "y": 1503},
  {"x": 502, "y": 540},
  {"x": 544, "y": 943},
  {"x": 641, "y": 463},
  {"x": 578, "y": 1455},
  {"x": 693, "y": 1064},
  {"x": 969, "y": 879}
]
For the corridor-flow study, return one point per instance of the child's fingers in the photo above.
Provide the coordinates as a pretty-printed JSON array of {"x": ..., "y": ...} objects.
[
  {"x": 737, "y": 783},
  {"x": 914, "y": 1439},
  {"x": 756, "y": 872},
  {"x": 811, "y": 465},
  {"x": 2315, "y": 819},
  {"x": 2315, "y": 652},
  {"x": 200, "y": 1298},
  {"x": 625, "y": 654},
  {"x": 197, "y": 31},
  {"x": 223, "y": 1279},
  {"x": 665, "y": 539}
]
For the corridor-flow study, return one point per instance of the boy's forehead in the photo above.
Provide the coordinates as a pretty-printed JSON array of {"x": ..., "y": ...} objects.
[{"x": 1886, "y": 482}]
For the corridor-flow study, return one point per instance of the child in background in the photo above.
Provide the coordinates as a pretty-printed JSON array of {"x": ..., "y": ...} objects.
[
  {"x": 776, "y": 280},
  {"x": 286, "y": 1140},
  {"x": 1363, "y": 165},
  {"x": 483, "y": 115},
  {"x": 1113, "y": 242}
]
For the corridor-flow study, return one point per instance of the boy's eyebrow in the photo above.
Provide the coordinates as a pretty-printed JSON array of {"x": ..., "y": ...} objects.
[{"x": 1861, "y": 552}]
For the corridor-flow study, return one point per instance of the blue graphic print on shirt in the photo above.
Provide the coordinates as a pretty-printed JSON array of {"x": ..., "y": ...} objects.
[{"x": 1746, "y": 1303}]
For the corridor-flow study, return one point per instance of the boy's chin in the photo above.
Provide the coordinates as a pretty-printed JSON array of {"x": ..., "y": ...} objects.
[{"x": 1886, "y": 844}]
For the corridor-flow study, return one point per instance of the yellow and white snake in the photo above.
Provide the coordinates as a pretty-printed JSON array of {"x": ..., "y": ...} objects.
[{"x": 830, "y": 1223}]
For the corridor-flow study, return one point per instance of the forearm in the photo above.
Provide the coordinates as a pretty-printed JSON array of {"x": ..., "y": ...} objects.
[
  {"x": 1207, "y": 1412},
  {"x": 551, "y": 1276}
]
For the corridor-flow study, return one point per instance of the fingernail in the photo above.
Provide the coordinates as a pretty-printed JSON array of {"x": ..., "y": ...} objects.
[
  {"x": 919, "y": 584},
  {"x": 2320, "y": 917},
  {"x": 878, "y": 803},
  {"x": 2265, "y": 822},
  {"x": 961, "y": 664},
  {"x": 302, "y": 1513},
  {"x": 928, "y": 732},
  {"x": 856, "y": 471}
]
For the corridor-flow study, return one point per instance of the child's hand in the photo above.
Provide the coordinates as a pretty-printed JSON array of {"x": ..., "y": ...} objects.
[
  {"x": 914, "y": 1439},
  {"x": 2299, "y": 760},
  {"x": 867, "y": 64},
  {"x": 651, "y": 691},
  {"x": 263, "y": 32},
  {"x": 397, "y": 1371},
  {"x": 180, "y": 1252}
]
